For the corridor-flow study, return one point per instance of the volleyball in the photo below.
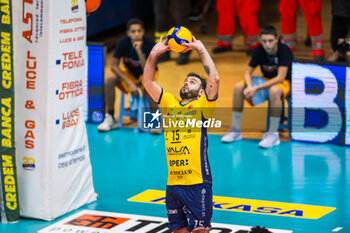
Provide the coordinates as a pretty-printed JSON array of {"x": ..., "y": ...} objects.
[
  {"x": 178, "y": 35},
  {"x": 92, "y": 5}
]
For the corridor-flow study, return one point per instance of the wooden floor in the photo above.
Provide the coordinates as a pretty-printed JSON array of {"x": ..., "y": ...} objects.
[{"x": 232, "y": 65}]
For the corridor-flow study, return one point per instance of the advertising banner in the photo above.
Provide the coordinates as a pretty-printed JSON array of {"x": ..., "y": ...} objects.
[
  {"x": 92, "y": 221},
  {"x": 8, "y": 181},
  {"x": 53, "y": 161},
  {"x": 320, "y": 101}
]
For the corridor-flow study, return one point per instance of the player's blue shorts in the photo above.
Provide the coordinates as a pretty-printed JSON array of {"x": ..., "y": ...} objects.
[
  {"x": 263, "y": 94},
  {"x": 189, "y": 205}
]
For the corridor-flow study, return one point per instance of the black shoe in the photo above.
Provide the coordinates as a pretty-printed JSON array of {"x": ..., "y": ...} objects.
[
  {"x": 183, "y": 58},
  {"x": 221, "y": 49},
  {"x": 319, "y": 58},
  {"x": 308, "y": 41},
  {"x": 164, "y": 57}
]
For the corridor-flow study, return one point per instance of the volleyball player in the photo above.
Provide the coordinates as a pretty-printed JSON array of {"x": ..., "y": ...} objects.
[{"x": 189, "y": 185}]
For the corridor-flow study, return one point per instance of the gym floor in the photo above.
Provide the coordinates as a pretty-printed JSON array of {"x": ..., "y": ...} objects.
[{"x": 267, "y": 185}]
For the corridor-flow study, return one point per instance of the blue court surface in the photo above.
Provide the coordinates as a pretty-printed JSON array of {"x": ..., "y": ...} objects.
[{"x": 301, "y": 187}]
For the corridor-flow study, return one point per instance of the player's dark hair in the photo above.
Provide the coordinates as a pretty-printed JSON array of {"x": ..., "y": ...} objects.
[
  {"x": 134, "y": 21},
  {"x": 268, "y": 30},
  {"x": 203, "y": 80}
]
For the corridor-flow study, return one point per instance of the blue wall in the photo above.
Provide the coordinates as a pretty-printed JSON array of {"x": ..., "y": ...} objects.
[{"x": 113, "y": 13}]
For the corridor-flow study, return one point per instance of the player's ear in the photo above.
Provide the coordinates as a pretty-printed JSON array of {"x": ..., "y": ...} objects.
[{"x": 201, "y": 92}]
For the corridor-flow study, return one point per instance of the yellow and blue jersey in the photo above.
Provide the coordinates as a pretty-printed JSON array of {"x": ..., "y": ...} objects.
[{"x": 186, "y": 139}]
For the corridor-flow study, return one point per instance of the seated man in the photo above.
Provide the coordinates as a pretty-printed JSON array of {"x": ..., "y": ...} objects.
[
  {"x": 275, "y": 61},
  {"x": 133, "y": 49}
]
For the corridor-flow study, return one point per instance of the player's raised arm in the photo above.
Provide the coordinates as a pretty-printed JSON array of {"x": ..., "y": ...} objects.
[
  {"x": 148, "y": 81},
  {"x": 209, "y": 67}
]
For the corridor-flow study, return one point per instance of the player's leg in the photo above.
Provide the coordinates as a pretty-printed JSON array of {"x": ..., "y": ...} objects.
[
  {"x": 338, "y": 30},
  {"x": 225, "y": 25},
  {"x": 182, "y": 230},
  {"x": 271, "y": 137},
  {"x": 182, "y": 10},
  {"x": 312, "y": 13},
  {"x": 288, "y": 10},
  {"x": 174, "y": 209},
  {"x": 161, "y": 24},
  {"x": 275, "y": 94},
  {"x": 247, "y": 11},
  {"x": 109, "y": 90},
  {"x": 201, "y": 231},
  {"x": 122, "y": 84},
  {"x": 109, "y": 87},
  {"x": 238, "y": 102},
  {"x": 238, "y": 97},
  {"x": 234, "y": 132},
  {"x": 198, "y": 201},
  {"x": 161, "y": 16}
]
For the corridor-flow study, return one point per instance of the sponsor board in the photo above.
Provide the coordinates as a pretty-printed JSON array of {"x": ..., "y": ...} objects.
[
  {"x": 272, "y": 208},
  {"x": 91, "y": 221},
  {"x": 9, "y": 206},
  {"x": 51, "y": 139},
  {"x": 320, "y": 100}
]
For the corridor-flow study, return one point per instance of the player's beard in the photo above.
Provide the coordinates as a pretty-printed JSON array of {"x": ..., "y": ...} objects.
[{"x": 189, "y": 94}]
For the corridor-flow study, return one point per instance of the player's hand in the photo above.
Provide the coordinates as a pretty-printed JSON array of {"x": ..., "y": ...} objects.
[
  {"x": 249, "y": 92},
  {"x": 137, "y": 45},
  {"x": 133, "y": 89},
  {"x": 194, "y": 45},
  {"x": 161, "y": 47}
]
